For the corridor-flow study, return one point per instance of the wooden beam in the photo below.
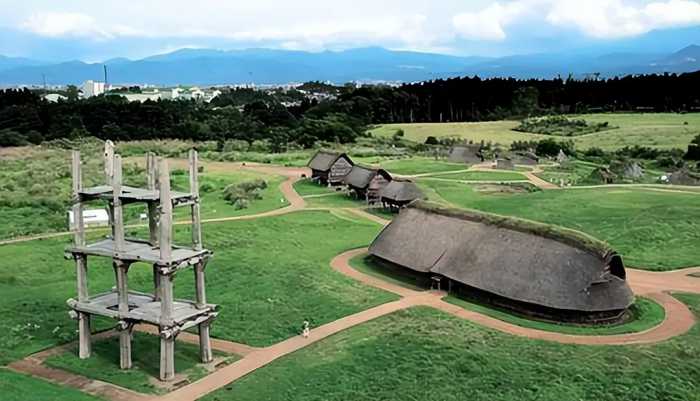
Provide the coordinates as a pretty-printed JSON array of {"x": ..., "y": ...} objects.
[
  {"x": 167, "y": 359},
  {"x": 121, "y": 269},
  {"x": 156, "y": 283},
  {"x": 109, "y": 162},
  {"x": 78, "y": 223},
  {"x": 166, "y": 212},
  {"x": 194, "y": 190},
  {"x": 167, "y": 344},
  {"x": 84, "y": 336},
  {"x": 205, "y": 353},
  {"x": 117, "y": 205},
  {"x": 152, "y": 166}
]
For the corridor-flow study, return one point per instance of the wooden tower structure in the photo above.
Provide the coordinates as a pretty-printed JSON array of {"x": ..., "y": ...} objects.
[{"x": 129, "y": 308}]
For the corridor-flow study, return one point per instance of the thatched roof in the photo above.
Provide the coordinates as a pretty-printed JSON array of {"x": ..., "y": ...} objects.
[
  {"x": 684, "y": 177},
  {"x": 323, "y": 160},
  {"x": 401, "y": 191},
  {"x": 360, "y": 176},
  {"x": 465, "y": 154},
  {"x": 518, "y": 259}
]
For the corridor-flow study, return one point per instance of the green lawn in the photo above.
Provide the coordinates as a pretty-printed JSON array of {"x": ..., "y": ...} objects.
[
  {"x": 499, "y": 176},
  {"x": 335, "y": 200},
  {"x": 35, "y": 191},
  {"x": 19, "y": 387},
  {"x": 307, "y": 187},
  {"x": 652, "y": 229},
  {"x": 420, "y": 165},
  {"x": 645, "y": 314},
  {"x": 578, "y": 173},
  {"x": 425, "y": 354},
  {"x": 659, "y": 130},
  {"x": 104, "y": 363},
  {"x": 268, "y": 275},
  {"x": 212, "y": 186}
]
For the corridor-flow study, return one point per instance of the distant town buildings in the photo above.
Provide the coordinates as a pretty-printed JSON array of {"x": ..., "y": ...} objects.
[{"x": 93, "y": 88}]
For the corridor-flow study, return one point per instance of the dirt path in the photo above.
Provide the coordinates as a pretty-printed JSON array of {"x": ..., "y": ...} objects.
[
  {"x": 679, "y": 319},
  {"x": 264, "y": 356}
]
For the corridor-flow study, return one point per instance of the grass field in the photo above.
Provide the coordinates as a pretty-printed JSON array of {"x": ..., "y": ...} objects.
[
  {"x": 651, "y": 229},
  {"x": 366, "y": 264},
  {"x": 307, "y": 187},
  {"x": 659, "y": 130},
  {"x": 420, "y": 165},
  {"x": 35, "y": 191},
  {"x": 645, "y": 314},
  {"x": 17, "y": 387},
  {"x": 104, "y": 363},
  {"x": 264, "y": 295},
  {"x": 499, "y": 176},
  {"x": 424, "y": 354}
]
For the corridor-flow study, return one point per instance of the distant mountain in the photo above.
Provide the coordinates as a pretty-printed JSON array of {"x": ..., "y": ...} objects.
[
  {"x": 7, "y": 63},
  {"x": 682, "y": 60},
  {"x": 267, "y": 66}
]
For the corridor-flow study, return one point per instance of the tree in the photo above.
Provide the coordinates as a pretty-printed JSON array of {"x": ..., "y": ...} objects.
[
  {"x": 693, "y": 149},
  {"x": 431, "y": 140}
]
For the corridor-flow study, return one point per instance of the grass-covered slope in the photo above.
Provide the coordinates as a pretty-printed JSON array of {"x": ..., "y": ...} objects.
[
  {"x": 20, "y": 387},
  {"x": 424, "y": 354},
  {"x": 658, "y": 130},
  {"x": 651, "y": 229},
  {"x": 268, "y": 275}
]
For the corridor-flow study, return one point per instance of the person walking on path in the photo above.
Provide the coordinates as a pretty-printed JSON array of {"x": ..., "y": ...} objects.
[{"x": 305, "y": 331}]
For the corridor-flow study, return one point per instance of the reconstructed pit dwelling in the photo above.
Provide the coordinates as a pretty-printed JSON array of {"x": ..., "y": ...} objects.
[
  {"x": 529, "y": 267},
  {"x": 129, "y": 308}
]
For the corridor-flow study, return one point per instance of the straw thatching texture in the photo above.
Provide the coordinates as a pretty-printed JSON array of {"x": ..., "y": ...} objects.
[{"x": 520, "y": 260}]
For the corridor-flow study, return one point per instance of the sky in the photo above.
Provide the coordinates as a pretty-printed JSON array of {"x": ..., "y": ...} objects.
[{"x": 98, "y": 30}]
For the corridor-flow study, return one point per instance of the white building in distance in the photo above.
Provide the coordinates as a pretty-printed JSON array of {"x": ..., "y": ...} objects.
[{"x": 93, "y": 88}]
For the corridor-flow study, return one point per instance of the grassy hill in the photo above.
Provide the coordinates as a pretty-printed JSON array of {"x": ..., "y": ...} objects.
[{"x": 659, "y": 130}]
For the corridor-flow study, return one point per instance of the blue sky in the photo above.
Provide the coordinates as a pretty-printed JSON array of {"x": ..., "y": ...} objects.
[{"x": 97, "y": 30}]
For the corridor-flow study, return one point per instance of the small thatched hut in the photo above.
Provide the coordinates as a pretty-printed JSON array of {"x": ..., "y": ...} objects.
[
  {"x": 469, "y": 154},
  {"x": 684, "y": 177},
  {"x": 562, "y": 158},
  {"x": 399, "y": 193},
  {"x": 530, "y": 267},
  {"x": 366, "y": 183},
  {"x": 603, "y": 175},
  {"x": 504, "y": 164},
  {"x": 330, "y": 167},
  {"x": 627, "y": 169}
]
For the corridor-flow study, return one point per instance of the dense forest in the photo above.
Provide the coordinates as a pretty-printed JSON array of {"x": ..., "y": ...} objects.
[{"x": 249, "y": 115}]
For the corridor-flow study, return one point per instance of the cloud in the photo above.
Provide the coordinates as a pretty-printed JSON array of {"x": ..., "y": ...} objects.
[
  {"x": 62, "y": 24},
  {"x": 605, "y": 19},
  {"x": 490, "y": 22},
  {"x": 600, "y": 19}
]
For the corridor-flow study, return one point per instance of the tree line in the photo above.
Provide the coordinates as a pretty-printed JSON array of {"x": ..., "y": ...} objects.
[{"x": 250, "y": 115}]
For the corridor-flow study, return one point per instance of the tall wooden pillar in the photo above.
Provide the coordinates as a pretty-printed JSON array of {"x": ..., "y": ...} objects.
[
  {"x": 117, "y": 205},
  {"x": 84, "y": 332},
  {"x": 152, "y": 175},
  {"x": 121, "y": 271},
  {"x": 167, "y": 339},
  {"x": 205, "y": 352}
]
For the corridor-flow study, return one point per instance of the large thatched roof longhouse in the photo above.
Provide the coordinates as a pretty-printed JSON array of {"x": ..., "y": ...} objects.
[
  {"x": 366, "y": 183},
  {"x": 399, "y": 193},
  {"x": 330, "y": 167},
  {"x": 530, "y": 267}
]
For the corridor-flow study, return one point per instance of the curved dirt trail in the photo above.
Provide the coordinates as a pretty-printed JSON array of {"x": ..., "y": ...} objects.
[{"x": 679, "y": 319}]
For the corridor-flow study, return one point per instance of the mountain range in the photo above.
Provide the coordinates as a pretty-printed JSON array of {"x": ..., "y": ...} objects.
[{"x": 267, "y": 66}]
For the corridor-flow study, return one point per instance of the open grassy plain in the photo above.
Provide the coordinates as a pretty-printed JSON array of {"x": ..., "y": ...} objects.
[
  {"x": 652, "y": 229},
  {"x": 269, "y": 275},
  {"x": 658, "y": 130},
  {"x": 20, "y": 387},
  {"x": 423, "y": 354}
]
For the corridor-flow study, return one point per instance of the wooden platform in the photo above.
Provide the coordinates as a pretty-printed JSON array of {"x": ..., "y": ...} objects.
[
  {"x": 144, "y": 308},
  {"x": 140, "y": 251},
  {"x": 132, "y": 194}
]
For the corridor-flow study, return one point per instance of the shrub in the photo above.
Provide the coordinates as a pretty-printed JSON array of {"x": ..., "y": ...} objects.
[
  {"x": 431, "y": 140},
  {"x": 240, "y": 195},
  {"x": 12, "y": 138}
]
